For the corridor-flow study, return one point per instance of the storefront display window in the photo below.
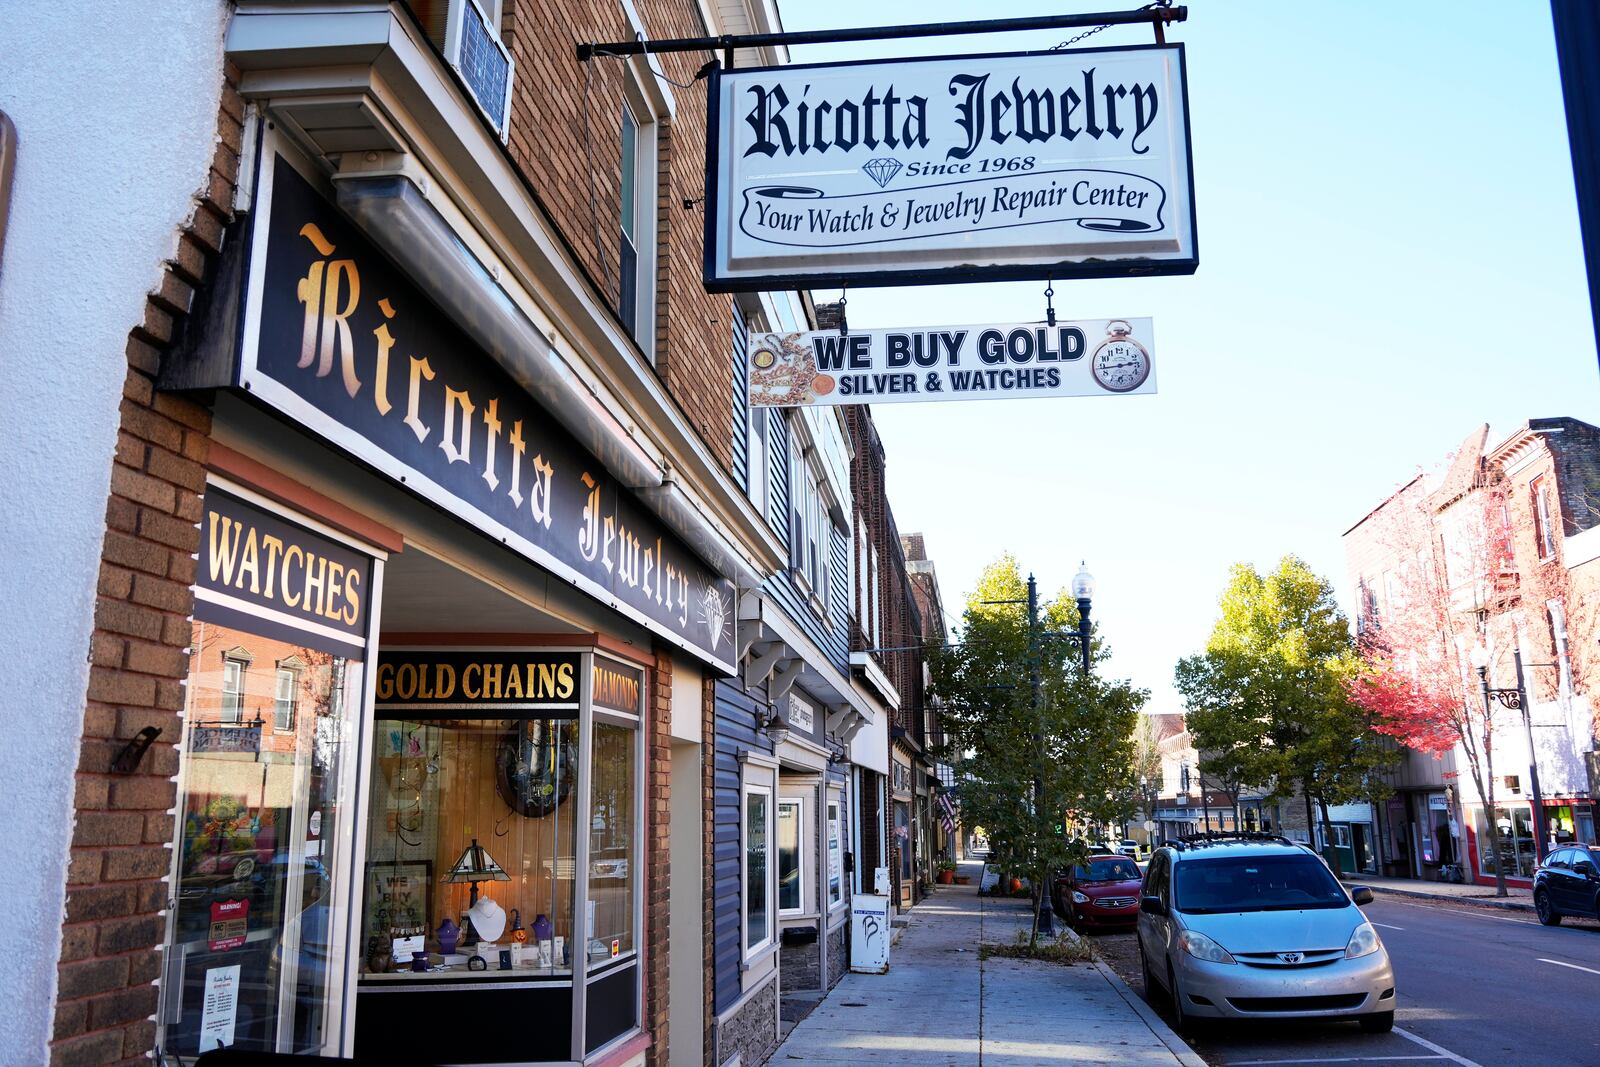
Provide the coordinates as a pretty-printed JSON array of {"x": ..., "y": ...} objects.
[
  {"x": 835, "y": 864},
  {"x": 758, "y": 929},
  {"x": 613, "y": 875},
  {"x": 790, "y": 878},
  {"x": 258, "y": 924},
  {"x": 252, "y": 960},
  {"x": 438, "y": 787},
  {"x": 1517, "y": 854}
]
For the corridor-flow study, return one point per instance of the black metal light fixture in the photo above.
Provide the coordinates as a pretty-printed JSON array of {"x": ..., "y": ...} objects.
[{"x": 775, "y": 728}]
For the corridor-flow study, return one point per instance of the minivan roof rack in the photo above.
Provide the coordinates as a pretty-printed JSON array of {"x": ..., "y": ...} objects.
[{"x": 1203, "y": 838}]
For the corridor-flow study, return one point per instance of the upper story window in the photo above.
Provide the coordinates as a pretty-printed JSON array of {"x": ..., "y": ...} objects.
[
  {"x": 628, "y": 240},
  {"x": 1543, "y": 533},
  {"x": 810, "y": 528},
  {"x": 283, "y": 701},
  {"x": 231, "y": 707},
  {"x": 638, "y": 123}
]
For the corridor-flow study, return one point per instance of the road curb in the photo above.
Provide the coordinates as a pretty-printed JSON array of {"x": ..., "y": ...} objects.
[
  {"x": 1476, "y": 902},
  {"x": 1176, "y": 1045}
]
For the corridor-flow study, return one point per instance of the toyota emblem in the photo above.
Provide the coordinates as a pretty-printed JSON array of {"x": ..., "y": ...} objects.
[{"x": 1291, "y": 957}]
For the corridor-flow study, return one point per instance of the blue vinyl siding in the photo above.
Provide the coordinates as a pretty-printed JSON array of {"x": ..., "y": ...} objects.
[
  {"x": 778, "y": 474},
  {"x": 736, "y": 728},
  {"x": 839, "y": 579},
  {"x": 741, "y": 402}
]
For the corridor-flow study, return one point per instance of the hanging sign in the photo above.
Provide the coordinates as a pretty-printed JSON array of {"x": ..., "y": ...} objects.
[
  {"x": 961, "y": 168},
  {"x": 341, "y": 341},
  {"x": 1090, "y": 357}
]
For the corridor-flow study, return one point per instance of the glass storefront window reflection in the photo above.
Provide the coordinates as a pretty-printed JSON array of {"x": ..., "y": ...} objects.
[
  {"x": 253, "y": 954},
  {"x": 438, "y": 787},
  {"x": 613, "y": 876},
  {"x": 1517, "y": 853}
]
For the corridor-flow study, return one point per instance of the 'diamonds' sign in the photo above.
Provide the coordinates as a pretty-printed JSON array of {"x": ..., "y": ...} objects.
[
  {"x": 906, "y": 171},
  {"x": 1092, "y": 357}
]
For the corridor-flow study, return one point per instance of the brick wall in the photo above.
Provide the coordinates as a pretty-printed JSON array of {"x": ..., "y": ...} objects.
[
  {"x": 566, "y": 139},
  {"x": 121, "y": 846},
  {"x": 658, "y": 912},
  {"x": 902, "y": 622}
]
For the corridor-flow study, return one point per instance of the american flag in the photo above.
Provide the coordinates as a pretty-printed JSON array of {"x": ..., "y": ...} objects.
[{"x": 947, "y": 813}]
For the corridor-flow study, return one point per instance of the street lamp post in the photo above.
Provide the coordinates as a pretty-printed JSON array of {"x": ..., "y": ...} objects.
[
  {"x": 1516, "y": 700},
  {"x": 1083, "y": 592}
]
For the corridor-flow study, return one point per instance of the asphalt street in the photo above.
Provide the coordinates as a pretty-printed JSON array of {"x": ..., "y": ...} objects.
[{"x": 1476, "y": 987}]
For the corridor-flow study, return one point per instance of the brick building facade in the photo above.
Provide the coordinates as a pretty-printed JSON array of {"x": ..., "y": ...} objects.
[
  {"x": 1502, "y": 531},
  {"x": 260, "y": 804}
]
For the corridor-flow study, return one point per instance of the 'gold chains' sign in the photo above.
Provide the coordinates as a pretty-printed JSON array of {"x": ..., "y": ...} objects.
[
  {"x": 451, "y": 679},
  {"x": 351, "y": 347},
  {"x": 961, "y": 168}
]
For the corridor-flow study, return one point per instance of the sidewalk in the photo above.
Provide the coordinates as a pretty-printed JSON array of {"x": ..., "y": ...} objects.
[
  {"x": 939, "y": 1006},
  {"x": 1517, "y": 899}
]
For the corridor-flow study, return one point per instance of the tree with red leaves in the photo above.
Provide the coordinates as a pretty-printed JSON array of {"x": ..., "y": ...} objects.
[{"x": 1415, "y": 678}]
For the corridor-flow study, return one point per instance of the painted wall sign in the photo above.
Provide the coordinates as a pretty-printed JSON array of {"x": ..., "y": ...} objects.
[
  {"x": 1092, "y": 357},
  {"x": 959, "y": 168},
  {"x": 453, "y": 679},
  {"x": 346, "y": 344},
  {"x": 265, "y": 570}
]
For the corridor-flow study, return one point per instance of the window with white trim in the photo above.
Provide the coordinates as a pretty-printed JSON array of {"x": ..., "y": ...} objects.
[
  {"x": 810, "y": 527},
  {"x": 637, "y": 127},
  {"x": 231, "y": 707},
  {"x": 283, "y": 699},
  {"x": 835, "y": 846},
  {"x": 757, "y": 902},
  {"x": 791, "y": 856},
  {"x": 1543, "y": 532}
]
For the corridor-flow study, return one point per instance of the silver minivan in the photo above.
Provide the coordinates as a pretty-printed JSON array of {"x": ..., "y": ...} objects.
[{"x": 1256, "y": 927}]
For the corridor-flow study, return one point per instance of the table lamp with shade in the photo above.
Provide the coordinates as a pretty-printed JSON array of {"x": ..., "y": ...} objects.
[{"x": 474, "y": 866}]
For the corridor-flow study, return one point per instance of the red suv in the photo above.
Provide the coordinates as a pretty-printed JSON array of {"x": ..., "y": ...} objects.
[{"x": 1102, "y": 891}]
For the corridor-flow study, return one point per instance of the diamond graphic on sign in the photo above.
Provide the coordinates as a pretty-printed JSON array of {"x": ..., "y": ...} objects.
[{"x": 881, "y": 170}]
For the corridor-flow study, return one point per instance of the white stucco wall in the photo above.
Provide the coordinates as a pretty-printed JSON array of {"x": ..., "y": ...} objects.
[{"x": 115, "y": 104}]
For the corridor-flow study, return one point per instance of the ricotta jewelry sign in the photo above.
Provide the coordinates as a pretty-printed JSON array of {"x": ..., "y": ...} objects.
[
  {"x": 1090, "y": 357},
  {"x": 964, "y": 168}
]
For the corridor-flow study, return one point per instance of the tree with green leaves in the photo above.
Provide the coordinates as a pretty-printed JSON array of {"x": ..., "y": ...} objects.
[
  {"x": 1077, "y": 739},
  {"x": 1268, "y": 700}
]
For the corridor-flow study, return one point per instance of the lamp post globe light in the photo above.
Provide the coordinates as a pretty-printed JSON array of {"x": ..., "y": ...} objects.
[{"x": 1083, "y": 592}]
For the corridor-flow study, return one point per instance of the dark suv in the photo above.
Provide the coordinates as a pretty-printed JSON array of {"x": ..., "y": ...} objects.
[{"x": 1568, "y": 883}]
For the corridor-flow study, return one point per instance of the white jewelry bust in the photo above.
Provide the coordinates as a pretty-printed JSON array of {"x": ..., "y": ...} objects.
[{"x": 488, "y": 919}]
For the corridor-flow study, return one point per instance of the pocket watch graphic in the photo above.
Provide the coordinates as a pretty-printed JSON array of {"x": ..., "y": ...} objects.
[{"x": 1120, "y": 364}]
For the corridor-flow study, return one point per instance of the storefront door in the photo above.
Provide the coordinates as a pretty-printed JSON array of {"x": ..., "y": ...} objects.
[{"x": 257, "y": 930}]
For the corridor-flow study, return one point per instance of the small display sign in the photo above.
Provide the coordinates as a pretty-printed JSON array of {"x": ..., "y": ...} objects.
[{"x": 230, "y": 921}]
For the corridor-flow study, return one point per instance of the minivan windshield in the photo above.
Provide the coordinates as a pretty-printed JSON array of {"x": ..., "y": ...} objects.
[
  {"x": 1254, "y": 883},
  {"x": 1120, "y": 870}
]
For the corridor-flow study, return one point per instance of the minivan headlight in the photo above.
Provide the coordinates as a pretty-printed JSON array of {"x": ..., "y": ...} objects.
[
  {"x": 1202, "y": 947},
  {"x": 1079, "y": 897},
  {"x": 1364, "y": 942}
]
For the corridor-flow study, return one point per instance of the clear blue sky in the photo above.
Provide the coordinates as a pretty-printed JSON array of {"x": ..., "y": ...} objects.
[{"x": 1389, "y": 257}]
